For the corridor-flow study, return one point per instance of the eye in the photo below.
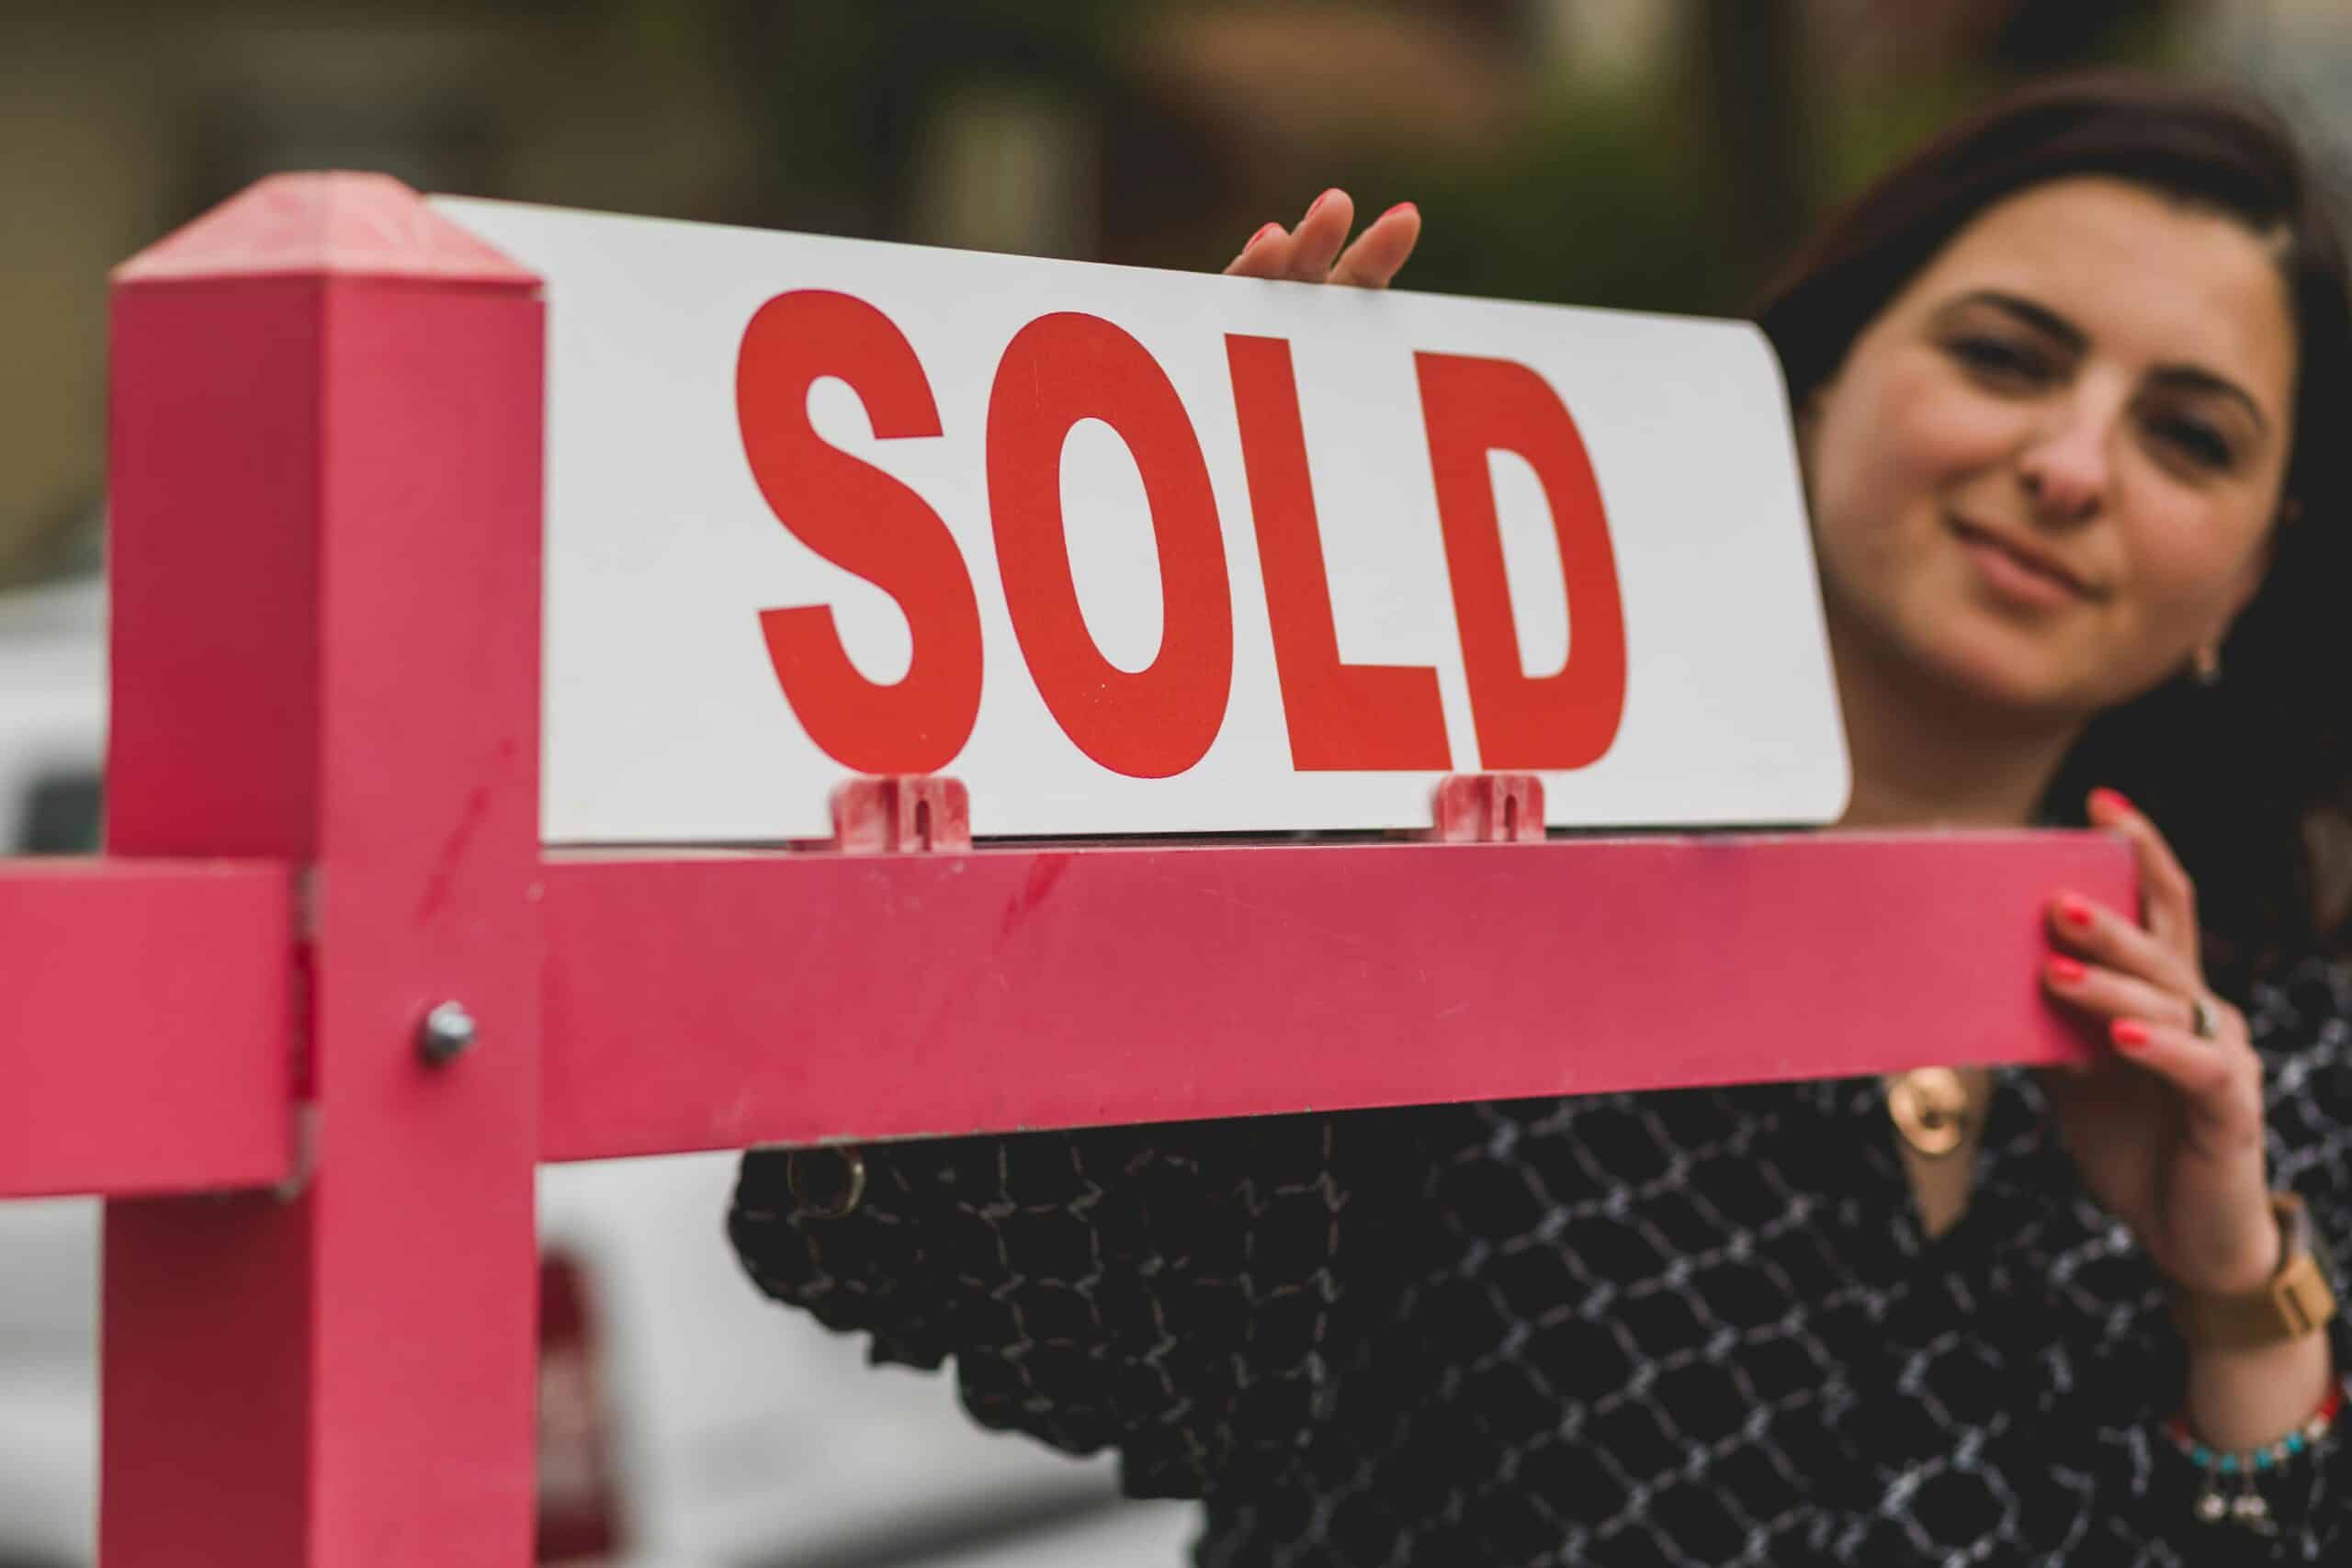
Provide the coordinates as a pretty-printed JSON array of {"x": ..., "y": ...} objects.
[
  {"x": 2194, "y": 439},
  {"x": 2000, "y": 360}
]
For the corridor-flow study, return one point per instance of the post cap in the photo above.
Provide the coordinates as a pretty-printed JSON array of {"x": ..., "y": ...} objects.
[{"x": 336, "y": 224}]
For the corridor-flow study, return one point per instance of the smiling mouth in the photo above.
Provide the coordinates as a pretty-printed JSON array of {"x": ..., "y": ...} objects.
[{"x": 2021, "y": 565}]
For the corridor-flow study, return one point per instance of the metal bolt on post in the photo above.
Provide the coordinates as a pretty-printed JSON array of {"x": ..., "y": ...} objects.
[{"x": 446, "y": 1033}]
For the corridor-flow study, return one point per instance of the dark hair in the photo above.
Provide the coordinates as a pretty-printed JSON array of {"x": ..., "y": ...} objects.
[{"x": 2251, "y": 780}]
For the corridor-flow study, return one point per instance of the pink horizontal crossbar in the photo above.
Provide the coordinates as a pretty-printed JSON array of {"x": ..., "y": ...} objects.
[
  {"x": 724, "y": 1000},
  {"x": 147, "y": 1015}
]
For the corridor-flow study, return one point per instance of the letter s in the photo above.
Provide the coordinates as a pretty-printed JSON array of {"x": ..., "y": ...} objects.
[{"x": 864, "y": 521}]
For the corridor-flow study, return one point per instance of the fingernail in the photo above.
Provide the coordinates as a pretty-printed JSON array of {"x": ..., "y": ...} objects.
[
  {"x": 1269, "y": 228},
  {"x": 2113, "y": 800},
  {"x": 1313, "y": 205},
  {"x": 2130, "y": 1034},
  {"x": 1400, "y": 207},
  {"x": 2075, "y": 911},
  {"x": 2065, "y": 970}
]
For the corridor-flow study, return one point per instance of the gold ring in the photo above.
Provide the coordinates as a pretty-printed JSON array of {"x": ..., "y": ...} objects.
[{"x": 828, "y": 1183}]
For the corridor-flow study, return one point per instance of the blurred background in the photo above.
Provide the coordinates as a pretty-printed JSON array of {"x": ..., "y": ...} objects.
[{"x": 1661, "y": 154}]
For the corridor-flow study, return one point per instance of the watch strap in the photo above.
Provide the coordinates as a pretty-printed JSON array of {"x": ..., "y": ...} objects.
[{"x": 2298, "y": 1299}]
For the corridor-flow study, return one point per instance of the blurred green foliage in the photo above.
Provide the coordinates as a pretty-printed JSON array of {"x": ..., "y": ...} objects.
[
  {"x": 1680, "y": 190},
  {"x": 1608, "y": 200},
  {"x": 843, "y": 86}
]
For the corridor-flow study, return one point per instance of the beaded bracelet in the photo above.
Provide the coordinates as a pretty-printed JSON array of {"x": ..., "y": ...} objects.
[{"x": 2249, "y": 1507}]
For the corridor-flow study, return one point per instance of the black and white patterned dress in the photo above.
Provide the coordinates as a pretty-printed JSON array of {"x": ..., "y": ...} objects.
[{"x": 1697, "y": 1327}]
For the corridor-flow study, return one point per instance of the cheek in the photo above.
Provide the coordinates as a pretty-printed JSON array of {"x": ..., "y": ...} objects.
[
  {"x": 2188, "y": 561},
  {"x": 1888, "y": 445}
]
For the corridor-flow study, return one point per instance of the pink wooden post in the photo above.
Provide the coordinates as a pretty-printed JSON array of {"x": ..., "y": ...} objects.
[{"x": 325, "y": 508}]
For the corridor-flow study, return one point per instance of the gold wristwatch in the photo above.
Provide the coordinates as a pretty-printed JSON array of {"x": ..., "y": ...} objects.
[{"x": 2298, "y": 1299}]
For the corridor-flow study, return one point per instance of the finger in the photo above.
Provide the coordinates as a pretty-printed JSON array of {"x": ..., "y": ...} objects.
[
  {"x": 2168, "y": 896},
  {"x": 2221, "y": 1085},
  {"x": 2093, "y": 932},
  {"x": 2106, "y": 994},
  {"x": 1315, "y": 241},
  {"x": 1381, "y": 249},
  {"x": 1266, "y": 255}
]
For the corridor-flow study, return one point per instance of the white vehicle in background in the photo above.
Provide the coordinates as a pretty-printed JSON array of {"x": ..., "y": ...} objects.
[{"x": 685, "y": 1421}]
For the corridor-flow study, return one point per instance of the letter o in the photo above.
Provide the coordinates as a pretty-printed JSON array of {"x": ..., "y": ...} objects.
[{"x": 1154, "y": 722}]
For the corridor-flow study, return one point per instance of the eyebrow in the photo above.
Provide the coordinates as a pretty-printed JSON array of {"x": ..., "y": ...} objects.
[{"x": 2046, "y": 321}]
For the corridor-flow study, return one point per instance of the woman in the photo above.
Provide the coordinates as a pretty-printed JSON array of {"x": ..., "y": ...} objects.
[{"x": 2071, "y": 385}]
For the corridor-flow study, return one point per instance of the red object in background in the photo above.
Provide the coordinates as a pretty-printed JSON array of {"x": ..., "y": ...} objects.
[{"x": 579, "y": 1491}]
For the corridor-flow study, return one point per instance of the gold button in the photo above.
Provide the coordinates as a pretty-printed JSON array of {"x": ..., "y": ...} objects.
[{"x": 1930, "y": 1110}]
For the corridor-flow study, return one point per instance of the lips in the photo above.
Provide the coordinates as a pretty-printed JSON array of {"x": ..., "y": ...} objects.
[{"x": 2021, "y": 562}]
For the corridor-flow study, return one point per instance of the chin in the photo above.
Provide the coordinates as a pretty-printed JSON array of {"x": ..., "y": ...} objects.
[
  {"x": 1994, "y": 670},
  {"x": 1959, "y": 655}
]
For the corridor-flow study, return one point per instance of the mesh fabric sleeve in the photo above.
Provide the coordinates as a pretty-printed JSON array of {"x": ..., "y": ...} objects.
[{"x": 1172, "y": 1292}]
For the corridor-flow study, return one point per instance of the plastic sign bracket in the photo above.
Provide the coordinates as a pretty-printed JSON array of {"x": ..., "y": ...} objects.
[
  {"x": 902, "y": 814},
  {"x": 1488, "y": 808}
]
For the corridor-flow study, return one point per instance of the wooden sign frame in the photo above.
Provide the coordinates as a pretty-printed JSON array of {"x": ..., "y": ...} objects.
[{"x": 322, "y": 833}]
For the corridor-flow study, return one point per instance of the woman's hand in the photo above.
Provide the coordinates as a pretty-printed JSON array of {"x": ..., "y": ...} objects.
[
  {"x": 2166, "y": 1128},
  {"x": 1311, "y": 254}
]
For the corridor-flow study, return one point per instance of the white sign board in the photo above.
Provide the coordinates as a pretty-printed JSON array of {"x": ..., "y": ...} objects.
[{"x": 1131, "y": 551}]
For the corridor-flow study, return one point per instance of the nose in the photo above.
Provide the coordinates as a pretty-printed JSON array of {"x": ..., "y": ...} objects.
[{"x": 2064, "y": 467}]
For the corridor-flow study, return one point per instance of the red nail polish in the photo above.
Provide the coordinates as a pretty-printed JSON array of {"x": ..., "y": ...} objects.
[
  {"x": 1400, "y": 207},
  {"x": 1269, "y": 228},
  {"x": 2113, "y": 800},
  {"x": 1318, "y": 201},
  {"x": 2130, "y": 1034},
  {"x": 2066, "y": 970},
  {"x": 2076, "y": 911}
]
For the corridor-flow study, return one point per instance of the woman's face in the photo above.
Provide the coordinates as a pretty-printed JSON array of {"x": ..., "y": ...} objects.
[{"x": 2045, "y": 475}]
